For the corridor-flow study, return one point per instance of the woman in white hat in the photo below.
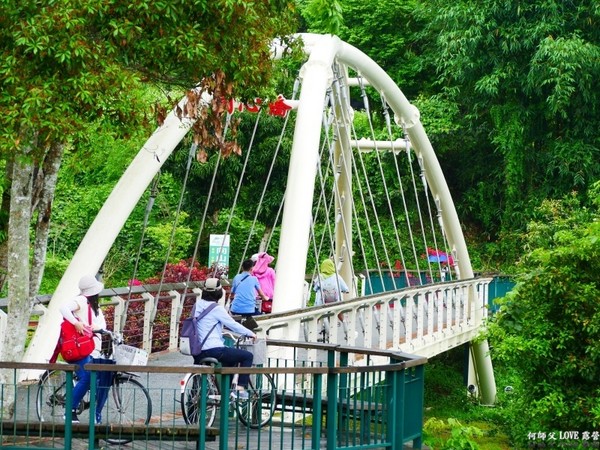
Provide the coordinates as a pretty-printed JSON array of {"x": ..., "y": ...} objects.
[
  {"x": 210, "y": 334},
  {"x": 83, "y": 312}
]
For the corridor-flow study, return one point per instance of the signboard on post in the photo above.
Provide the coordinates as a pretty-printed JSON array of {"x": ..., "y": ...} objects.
[{"x": 218, "y": 251}]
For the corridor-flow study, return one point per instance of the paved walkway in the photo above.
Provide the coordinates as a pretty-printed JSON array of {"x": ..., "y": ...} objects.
[{"x": 164, "y": 389}]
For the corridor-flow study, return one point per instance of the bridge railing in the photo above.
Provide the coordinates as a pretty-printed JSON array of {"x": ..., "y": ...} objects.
[
  {"x": 424, "y": 320},
  {"x": 340, "y": 406}
]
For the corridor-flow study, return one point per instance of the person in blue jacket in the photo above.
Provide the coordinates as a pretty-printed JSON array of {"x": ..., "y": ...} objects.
[
  {"x": 210, "y": 332},
  {"x": 245, "y": 288}
]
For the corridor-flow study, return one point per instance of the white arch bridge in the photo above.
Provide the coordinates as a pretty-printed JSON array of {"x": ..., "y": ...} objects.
[{"x": 373, "y": 198}]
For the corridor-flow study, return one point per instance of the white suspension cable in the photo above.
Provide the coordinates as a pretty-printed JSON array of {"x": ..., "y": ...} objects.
[
  {"x": 405, "y": 204},
  {"x": 365, "y": 179},
  {"x": 386, "y": 115},
  {"x": 340, "y": 102},
  {"x": 191, "y": 155},
  {"x": 268, "y": 179},
  {"x": 204, "y": 214},
  {"x": 385, "y": 186},
  {"x": 418, "y": 203},
  {"x": 445, "y": 239},
  {"x": 241, "y": 178},
  {"x": 153, "y": 193},
  {"x": 327, "y": 203},
  {"x": 431, "y": 222},
  {"x": 322, "y": 201}
]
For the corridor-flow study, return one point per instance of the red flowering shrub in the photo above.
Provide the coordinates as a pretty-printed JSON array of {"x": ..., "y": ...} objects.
[
  {"x": 178, "y": 273},
  {"x": 134, "y": 325}
]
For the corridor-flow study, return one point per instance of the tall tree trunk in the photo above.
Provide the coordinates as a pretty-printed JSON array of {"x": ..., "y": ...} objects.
[
  {"x": 19, "y": 301},
  {"x": 43, "y": 195},
  {"x": 265, "y": 239}
]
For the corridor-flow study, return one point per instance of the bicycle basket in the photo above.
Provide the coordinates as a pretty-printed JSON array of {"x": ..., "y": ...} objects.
[
  {"x": 128, "y": 355},
  {"x": 258, "y": 349}
]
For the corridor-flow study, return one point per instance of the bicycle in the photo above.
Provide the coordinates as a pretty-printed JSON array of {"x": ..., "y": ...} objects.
[
  {"x": 129, "y": 401},
  {"x": 254, "y": 412}
]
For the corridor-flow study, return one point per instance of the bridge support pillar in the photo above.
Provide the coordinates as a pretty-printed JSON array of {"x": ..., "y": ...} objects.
[{"x": 482, "y": 377}]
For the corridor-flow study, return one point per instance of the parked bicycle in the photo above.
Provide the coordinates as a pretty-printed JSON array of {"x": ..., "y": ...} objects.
[
  {"x": 254, "y": 412},
  {"x": 129, "y": 401}
]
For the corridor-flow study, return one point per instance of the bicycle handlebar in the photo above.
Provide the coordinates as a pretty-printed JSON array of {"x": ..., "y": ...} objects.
[
  {"x": 239, "y": 339},
  {"x": 117, "y": 338}
]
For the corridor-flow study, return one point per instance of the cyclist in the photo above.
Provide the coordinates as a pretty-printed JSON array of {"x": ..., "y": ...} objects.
[
  {"x": 245, "y": 289},
  {"x": 210, "y": 329},
  {"x": 78, "y": 311}
]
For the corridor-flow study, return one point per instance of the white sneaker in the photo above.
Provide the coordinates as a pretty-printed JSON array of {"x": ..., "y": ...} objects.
[{"x": 240, "y": 394}]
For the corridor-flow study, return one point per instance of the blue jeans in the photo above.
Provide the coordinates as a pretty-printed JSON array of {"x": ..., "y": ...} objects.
[
  {"x": 104, "y": 381},
  {"x": 229, "y": 357}
]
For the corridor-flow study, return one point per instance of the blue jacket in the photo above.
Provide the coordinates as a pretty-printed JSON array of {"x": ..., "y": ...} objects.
[{"x": 245, "y": 288}]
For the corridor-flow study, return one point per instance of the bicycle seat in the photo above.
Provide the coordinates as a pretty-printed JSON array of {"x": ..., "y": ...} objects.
[{"x": 208, "y": 362}]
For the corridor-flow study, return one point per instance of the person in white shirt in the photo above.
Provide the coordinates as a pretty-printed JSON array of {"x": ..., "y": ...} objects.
[
  {"x": 210, "y": 329},
  {"x": 78, "y": 311}
]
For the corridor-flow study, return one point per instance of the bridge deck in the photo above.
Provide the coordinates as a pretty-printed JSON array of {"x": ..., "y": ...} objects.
[{"x": 356, "y": 425}]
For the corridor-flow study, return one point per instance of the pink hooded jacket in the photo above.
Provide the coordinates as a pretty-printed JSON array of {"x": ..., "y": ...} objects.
[{"x": 264, "y": 273}]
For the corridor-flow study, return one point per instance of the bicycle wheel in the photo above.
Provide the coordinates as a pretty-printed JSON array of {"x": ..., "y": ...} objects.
[
  {"x": 258, "y": 410},
  {"x": 190, "y": 399},
  {"x": 51, "y": 396},
  {"x": 129, "y": 404}
]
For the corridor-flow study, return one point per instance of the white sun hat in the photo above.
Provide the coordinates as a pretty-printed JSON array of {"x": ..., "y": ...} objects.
[{"x": 88, "y": 285}]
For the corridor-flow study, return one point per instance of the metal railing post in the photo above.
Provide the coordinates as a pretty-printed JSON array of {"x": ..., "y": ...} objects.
[
  {"x": 69, "y": 412},
  {"x": 332, "y": 402},
  {"x": 395, "y": 424},
  {"x": 92, "y": 410},
  {"x": 176, "y": 304},
  {"x": 224, "y": 410},
  {"x": 201, "y": 443},
  {"x": 317, "y": 423},
  {"x": 148, "y": 307}
]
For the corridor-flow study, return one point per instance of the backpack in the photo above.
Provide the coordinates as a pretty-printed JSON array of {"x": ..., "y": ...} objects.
[
  {"x": 329, "y": 290},
  {"x": 329, "y": 295},
  {"x": 189, "y": 342}
]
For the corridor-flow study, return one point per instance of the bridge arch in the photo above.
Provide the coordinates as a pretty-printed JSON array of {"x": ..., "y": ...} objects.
[{"x": 317, "y": 76}]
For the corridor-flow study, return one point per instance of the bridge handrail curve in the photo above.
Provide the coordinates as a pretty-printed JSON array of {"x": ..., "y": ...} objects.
[{"x": 465, "y": 299}]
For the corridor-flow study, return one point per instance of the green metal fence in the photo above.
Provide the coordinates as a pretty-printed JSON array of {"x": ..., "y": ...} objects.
[{"x": 319, "y": 402}]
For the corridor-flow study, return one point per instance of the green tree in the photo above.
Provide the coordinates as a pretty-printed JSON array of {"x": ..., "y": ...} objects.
[
  {"x": 387, "y": 31},
  {"x": 68, "y": 63},
  {"x": 522, "y": 75},
  {"x": 548, "y": 330},
  {"x": 322, "y": 16}
]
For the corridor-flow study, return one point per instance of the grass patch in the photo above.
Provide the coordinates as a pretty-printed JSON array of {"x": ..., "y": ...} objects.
[{"x": 453, "y": 419}]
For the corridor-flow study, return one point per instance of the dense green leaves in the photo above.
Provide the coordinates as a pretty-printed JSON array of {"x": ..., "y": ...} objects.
[
  {"x": 524, "y": 75},
  {"x": 548, "y": 331},
  {"x": 63, "y": 60},
  {"x": 67, "y": 64}
]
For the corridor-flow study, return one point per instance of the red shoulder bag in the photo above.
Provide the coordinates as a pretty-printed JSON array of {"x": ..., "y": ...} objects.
[{"x": 75, "y": 346}]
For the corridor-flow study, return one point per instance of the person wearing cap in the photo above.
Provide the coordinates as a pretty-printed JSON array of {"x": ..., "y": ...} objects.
[
  {"x": 265, "y": 275},
  {"x": 78, "y": 311},
  {"x": 210, "y": 332},
  {"x": 245, "y": 289}
]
